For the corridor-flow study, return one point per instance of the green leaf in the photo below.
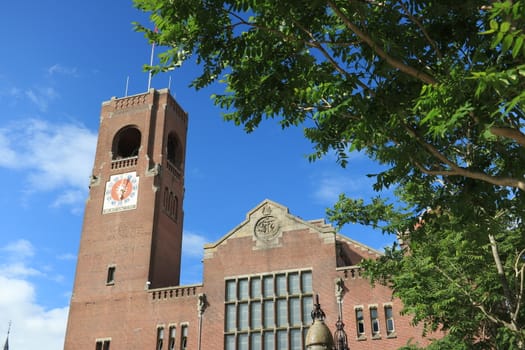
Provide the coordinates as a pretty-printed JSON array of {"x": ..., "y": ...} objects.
[
  {"x": 505, "y": 26},
  {"x": 517, "y": 46},
  {"x": 507, "y": 42},
  {"x": 494, "y": 25}
]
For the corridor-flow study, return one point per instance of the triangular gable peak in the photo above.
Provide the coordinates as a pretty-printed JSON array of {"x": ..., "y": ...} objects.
[
  {"x": 350, "y": 252},
  {"x": 266, "y": 223}
]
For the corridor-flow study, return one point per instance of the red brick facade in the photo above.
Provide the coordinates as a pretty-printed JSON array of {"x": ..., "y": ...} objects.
[{"x": 263, "y": 274}]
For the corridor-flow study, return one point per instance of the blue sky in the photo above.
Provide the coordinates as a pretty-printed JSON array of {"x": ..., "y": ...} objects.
[{"x": 61, "y": 60}]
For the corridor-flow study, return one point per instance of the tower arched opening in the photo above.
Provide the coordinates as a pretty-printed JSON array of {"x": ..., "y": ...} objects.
[
  {"x": 126, "y": 143},
  {"x": 174, "y": 150}
]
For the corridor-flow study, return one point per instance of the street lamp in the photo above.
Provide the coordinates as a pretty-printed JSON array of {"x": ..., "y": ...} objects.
[{"x": 318, "y": 336}]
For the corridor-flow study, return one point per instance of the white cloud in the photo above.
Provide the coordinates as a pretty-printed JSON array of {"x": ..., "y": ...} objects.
[
  {"x": 20, "y": 249},
  {"x": 18, "y": 270},
  {"x": 330, "y": 186},
  {"x": 192, "y": 244},
  {"x": 8, "y": 158},
  {"x": 53, "y": 156},
  {"x": 67, "y": 256},
  {"x": 60, "y": 69},
  {"x": 18, "y": 302},
  {"x": 41, "y": 97}
]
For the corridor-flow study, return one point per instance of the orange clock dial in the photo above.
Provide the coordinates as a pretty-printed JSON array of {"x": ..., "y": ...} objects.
[{"x": 121, "y": 189}]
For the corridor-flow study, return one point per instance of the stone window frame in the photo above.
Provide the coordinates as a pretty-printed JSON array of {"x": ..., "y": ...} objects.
[
  {"x": 159, "y": 345},
  {"x": 359, "y": 312},
  {"x": 184, "y": 329},
  {"x": 390, "y": 333},
  {"x": 172, "y": 336},
  {"x": 375, "y": 328}
]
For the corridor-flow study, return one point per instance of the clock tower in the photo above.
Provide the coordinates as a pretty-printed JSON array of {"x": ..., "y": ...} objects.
[{"x": 132, "y": 230}]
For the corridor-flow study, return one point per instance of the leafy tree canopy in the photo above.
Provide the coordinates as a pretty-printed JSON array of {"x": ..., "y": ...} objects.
[
  {"x": 412, "y": 83},
  {"x": 433, "y": 90}
]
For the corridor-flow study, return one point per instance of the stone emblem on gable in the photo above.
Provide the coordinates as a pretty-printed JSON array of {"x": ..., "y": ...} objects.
[{"x": 267, "y": 227}]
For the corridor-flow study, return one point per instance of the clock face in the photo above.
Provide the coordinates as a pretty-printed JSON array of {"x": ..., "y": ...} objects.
[{"x": 121, "y": 193}]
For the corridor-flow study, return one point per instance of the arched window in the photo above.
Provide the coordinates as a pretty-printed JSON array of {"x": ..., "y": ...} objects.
[
  {"x": 174, "y": 150},
  {"x": 126, "y": 143}
]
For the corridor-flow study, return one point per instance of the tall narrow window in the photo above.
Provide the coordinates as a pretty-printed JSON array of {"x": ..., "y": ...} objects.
[
  {"x": 184, "y": 337},
  {"x": 111, "y": 275},
  {"x": 229, "y": 342},
  {"x": 243, "y": 341},
  {"x": 280, "y": 281},
  {"x": 360, "y": 323},
  {"x": 160, "y": 337},
  {"x": 374, "y": 321},
  {"x": 174, "y": 150},
  {"x": 231, "y": 320},
  {"x": 231, "y": 289},
  {"x": 255, "y": 340},
  {"x": 173, "y": 334},
  {"x": 243, "y": 289},
  {"x": 243, "y": 316},
  {"x": 389, "y": 319}
]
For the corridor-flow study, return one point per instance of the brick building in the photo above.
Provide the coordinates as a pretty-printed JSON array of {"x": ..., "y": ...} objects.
[{"x": 259, "y": 279}]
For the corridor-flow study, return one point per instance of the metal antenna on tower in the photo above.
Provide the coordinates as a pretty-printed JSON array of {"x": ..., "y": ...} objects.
[
  {"x": 127, "y": 84},
  {"x": 151, "y": 61}
]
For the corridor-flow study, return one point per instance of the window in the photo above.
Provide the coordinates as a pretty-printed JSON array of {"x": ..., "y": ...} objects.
[
  {"x": 171, "y": 204},
  {"x": 243, "y": 289},
  {"x": 111, "y": 275},
  {"x": 389, "y": 319},
  {"x": 360, "y": 323},
  {"x": 174, "y": 150},
  {"x": 160, "y": 337},
  {"x": 184, "y": 337},
  {"x": 268, "y": 312},
  {"x": 374, "y": 321},
  {"x": 173, "y": 333},
  {"x": 126, "y": 143},
  {"x": 102, "y": 344}
]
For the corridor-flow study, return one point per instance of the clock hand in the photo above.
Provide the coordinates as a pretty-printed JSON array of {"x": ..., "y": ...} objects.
[{"x": 123, "y": 188}]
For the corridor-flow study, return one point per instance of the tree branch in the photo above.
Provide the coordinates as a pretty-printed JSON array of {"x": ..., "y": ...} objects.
[
  {"x": 510, "y": 133},
  {"x": 423, "y": 30},
  {"x": 427, "y": 79},
  {"x": 477, "y": 305},
  {"x": 495, "y": 180},
  {"x": 520, "y": 275},
  {"x": 315, "y": 43},
  {"x": 509, "y": 300},
  {"x": 456, "y": 170}
]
